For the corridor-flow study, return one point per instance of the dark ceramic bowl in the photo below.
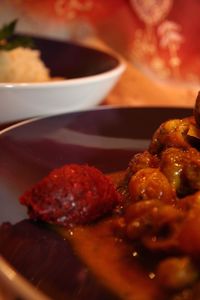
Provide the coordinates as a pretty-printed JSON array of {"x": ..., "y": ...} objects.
[{"x": 105, "y": 138}]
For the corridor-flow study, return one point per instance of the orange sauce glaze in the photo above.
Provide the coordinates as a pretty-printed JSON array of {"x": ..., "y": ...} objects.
[{"x": 112, "y": 260}]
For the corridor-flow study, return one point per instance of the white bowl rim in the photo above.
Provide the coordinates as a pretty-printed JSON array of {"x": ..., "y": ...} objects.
[{"x": 115, "y": 71}]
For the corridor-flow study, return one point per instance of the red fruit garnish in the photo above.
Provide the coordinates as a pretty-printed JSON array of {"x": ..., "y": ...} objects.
[{"x": 71, "y": 195}]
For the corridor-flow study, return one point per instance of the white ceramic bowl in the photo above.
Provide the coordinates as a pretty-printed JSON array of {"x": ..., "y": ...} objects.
[{"x": 90, "y": 73}]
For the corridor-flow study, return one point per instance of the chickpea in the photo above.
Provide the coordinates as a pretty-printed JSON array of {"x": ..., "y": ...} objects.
[
  {"x": 141, "y": 161},
  {"x": 189, "y": 237},
  {"x": 148, "y": 184},
  {"x": 171, "y": 165},
  {"x": 136, "y": 228},
  {"x": 141, "y": 208},
  {"x": 171, "y": 133},
  {"x": 197, "y": 110},
  {"x": 189, "y": 202},
  {"x": 176, "y": 273},
  {"x": 154, "y": 223},
  {"x": 182, "y": 169},
  {"x": 192, "y": 169},
  {"x": 165, "y": 223}
]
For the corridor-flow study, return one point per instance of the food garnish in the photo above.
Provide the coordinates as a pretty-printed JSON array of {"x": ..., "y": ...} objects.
[
  {"x": 9, "y": 42},
  {"x": 19, "y": 60}
]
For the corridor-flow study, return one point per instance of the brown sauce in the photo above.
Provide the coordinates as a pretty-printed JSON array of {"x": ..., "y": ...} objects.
[
  {"x": 112, "y": 260},
  {"x": 88, "y": 262}
]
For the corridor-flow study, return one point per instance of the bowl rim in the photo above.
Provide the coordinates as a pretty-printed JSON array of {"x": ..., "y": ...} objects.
[
  {"x": 17, "y": 284},
  {"x": 116, "y": 71}
]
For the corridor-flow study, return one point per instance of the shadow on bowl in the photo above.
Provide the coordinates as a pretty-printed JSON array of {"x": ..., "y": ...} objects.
[{"x": 74, "y": 60}]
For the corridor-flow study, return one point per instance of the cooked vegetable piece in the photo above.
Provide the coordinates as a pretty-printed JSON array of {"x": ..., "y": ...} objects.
[
  {"x": 197, "y": 110},
  {"x": 150, "y": 183},
  {"x": 176, "y": 273}
]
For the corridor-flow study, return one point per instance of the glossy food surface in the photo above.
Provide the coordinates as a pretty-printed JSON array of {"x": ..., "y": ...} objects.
[{"x": 104, "y": 138}]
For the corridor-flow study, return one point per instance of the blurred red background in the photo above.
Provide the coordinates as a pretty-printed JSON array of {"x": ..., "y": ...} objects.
[{"x": 160, "y": 36}]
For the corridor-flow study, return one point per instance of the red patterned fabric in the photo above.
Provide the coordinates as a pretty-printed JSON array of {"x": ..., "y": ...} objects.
[{"x": 159, "y": 36}]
